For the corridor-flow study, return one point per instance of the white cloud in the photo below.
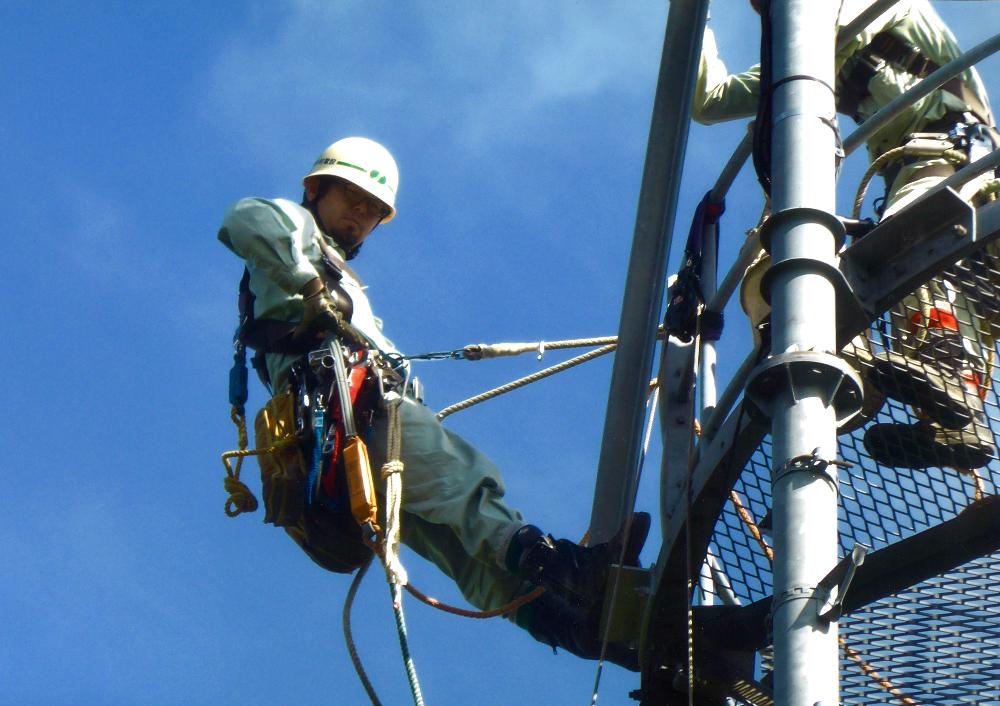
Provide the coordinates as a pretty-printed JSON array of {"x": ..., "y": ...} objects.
[{"x": 479, "y": 73}]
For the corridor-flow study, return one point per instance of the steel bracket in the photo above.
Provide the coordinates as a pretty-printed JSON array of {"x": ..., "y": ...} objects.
[{"x": 834, "y": 585}]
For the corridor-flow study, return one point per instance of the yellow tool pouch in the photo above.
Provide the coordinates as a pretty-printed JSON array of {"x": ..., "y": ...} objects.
[{"x": 282, "y": 472}]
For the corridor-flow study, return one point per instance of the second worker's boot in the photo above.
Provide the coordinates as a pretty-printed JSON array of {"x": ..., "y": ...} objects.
[
  {"x": 927, "y": 445},
  {"x": 940, "y": 391}
]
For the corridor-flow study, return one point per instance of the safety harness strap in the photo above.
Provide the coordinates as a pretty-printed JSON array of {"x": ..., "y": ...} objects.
[
  {"x": 276, "y": 336},
  {"x": 887, "y": 47}
]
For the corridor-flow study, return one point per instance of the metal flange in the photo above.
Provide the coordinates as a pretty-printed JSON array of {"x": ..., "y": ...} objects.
[
  {"x": 801, "y": 374},
  {"x": 801, "y": 215}
]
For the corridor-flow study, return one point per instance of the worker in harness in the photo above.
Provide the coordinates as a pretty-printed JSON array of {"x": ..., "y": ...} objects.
[
  {"x": 302, "y": 292},
  {"x": 941, "y": 358}
]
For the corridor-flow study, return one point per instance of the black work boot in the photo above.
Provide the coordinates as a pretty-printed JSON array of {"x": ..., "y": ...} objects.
[
  {"x": 927, "y": 383},
  {"x": 551, "y": 620},
  {"x": 578, "y": 574},
  {"x": 927, "y": 445}
]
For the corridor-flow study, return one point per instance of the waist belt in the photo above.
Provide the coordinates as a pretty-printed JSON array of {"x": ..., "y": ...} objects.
[
  {"x": 888, "y": 48},
  {"x": 947, "y": 122},
  {"x": 965, "y": 133},
  {"x": 276, "y": 336}
]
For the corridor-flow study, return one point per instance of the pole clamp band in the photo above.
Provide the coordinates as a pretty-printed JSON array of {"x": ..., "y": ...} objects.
[{"x": 809, "y": 463}]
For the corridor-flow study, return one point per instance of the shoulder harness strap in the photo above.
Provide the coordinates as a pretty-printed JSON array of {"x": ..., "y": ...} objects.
[{"x": 887, "y": 47}]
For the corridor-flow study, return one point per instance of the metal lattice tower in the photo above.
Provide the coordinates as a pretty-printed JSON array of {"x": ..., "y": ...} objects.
[{"x": 917, "y": 619}]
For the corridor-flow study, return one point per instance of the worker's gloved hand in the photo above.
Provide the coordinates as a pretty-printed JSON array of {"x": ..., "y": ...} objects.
[{"x": 320, "y": 315}]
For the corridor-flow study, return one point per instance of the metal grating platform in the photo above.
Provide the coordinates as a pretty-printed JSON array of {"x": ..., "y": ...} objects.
[{"x": 937, "y": 642}]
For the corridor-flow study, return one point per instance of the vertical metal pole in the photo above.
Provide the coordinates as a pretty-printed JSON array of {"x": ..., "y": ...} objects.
[
  {"x": 643, "y": 300},
  {"x": 803, "y": 319},
  {"x": 707, "y": 355}
]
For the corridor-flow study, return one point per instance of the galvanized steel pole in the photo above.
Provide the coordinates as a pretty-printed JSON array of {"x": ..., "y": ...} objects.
[
  {"x": 642, "y": 306},
  {"x": 797, "y": 384}
]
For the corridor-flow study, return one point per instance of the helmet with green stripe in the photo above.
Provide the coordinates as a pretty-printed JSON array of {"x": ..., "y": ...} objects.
[{"x": 363, "y": 162}]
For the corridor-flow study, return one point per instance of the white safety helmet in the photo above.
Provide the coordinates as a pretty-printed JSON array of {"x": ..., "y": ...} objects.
[{"x": 363, "y": 162}]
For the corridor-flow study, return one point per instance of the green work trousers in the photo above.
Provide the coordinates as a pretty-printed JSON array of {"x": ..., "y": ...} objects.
[{"x": 452, "y": 512}]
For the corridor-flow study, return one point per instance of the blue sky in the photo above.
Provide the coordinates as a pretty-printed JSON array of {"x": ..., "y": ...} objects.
[{"x": 128, "y": 129}]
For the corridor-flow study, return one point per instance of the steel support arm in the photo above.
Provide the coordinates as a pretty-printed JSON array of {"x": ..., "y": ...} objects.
[{"x": 643, "y": 298}]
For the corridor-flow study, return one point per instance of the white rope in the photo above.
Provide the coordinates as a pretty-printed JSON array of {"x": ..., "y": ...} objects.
[
  {"x": 528, "y": 379},
  {"x": 392, "y": 474}
]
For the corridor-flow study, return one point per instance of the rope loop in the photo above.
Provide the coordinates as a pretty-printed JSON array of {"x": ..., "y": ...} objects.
[
  {"x": 391, "y": 468},
  {"x": 476, "y": 614},
  {"x": 241, "y": 499}
]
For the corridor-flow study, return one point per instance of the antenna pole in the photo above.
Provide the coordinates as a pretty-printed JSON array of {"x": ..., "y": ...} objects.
[{"x": 801, "y": 382}]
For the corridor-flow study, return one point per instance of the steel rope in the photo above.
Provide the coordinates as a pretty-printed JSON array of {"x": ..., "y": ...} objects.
[
  {"x": 528, "y": 379},
  {"x": 404, "y": 643}
]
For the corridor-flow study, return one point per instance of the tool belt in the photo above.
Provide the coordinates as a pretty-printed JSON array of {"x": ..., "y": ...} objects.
[
  {"x": 331, "y": 539},
  {"x": 311, "y": 399},
  {"x": 961, "y": 131},
  {"x": 888, "y": 48}
]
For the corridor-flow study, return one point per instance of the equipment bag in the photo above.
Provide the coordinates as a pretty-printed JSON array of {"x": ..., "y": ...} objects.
[{"x": 282, "y": 473}]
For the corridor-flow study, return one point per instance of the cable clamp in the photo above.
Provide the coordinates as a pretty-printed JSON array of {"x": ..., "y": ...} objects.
[
  {"x": 795, "y": 593},
  {"x": 809, "y": 463}
]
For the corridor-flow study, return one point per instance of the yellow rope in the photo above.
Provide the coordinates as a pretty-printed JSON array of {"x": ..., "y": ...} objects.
[
  {"x": 977, "y": 482},
  {"x": 241, "y": 499},
  {"x": 869, "y": 670},
  {"x": 989, "y": 189},
  {"x": 751, "y": 525}
]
